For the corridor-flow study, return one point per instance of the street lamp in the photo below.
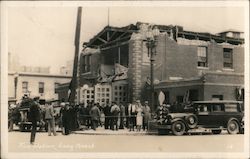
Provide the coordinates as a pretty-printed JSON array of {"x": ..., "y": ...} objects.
[
  {"x": 151, "y": 43},
  {"x": 15, "y": 83}
]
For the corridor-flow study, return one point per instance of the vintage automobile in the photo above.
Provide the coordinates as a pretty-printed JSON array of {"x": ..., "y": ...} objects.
[
  {"x": 25, "y": 121},
  {"x": 212, "y": 115}
]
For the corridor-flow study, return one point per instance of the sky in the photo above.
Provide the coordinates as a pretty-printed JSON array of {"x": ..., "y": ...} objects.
[{"x": 44, "y": 36}]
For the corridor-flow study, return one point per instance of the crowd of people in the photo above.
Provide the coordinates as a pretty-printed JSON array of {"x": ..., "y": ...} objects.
[
  {"x": 133, "y": 116},
  {"x": 68, "y": 117},
  {"x": 112, "y": 116}
]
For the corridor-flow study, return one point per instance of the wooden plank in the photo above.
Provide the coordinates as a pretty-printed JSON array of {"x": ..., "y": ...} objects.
[
  {"x": 101, "y": 39},
  {"x": 114, "y": 46}
]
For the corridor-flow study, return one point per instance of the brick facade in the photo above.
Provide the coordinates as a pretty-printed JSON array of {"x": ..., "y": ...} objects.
[
  {"x": 176, "y": 69},
  {"x": 175, "y": 60}
]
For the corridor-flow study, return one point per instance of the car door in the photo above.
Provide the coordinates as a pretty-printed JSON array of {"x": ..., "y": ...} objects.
[
  {"x": 203, "y": 113},
  {"x": 217, "y": 115}
]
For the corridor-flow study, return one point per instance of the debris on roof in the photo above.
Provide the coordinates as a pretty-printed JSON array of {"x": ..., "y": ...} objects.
[{"x": 115, "y": 36}]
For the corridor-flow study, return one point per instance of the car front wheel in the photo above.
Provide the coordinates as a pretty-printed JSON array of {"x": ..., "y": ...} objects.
[
  {"x": 233, "y": 127},
  {"x": 178, "y": 128}
]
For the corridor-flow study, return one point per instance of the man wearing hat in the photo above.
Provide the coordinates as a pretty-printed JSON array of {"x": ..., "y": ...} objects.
[
  {"x": 35, "y": 117},
  {"x": 66, "y": 119}
]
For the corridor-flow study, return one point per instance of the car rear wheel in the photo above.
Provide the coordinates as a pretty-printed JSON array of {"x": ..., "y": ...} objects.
[
  {"x": 178, "y": 128},
  {"x": 216, "y": 131},
  {"x": 233, "y": 127},
  {"x": 192, "y": 121}
]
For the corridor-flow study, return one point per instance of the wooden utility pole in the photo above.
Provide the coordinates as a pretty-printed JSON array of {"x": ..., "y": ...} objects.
[{"x": 73, "y": 83}]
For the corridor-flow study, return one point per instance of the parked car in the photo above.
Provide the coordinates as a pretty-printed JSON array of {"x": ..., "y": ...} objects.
[
  {"x": 213, "y": 115},
  {"x": 25, "y": 121}
]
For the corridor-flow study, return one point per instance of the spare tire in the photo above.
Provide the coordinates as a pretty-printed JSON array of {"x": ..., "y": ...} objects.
[{"x": 191, "y": 121}]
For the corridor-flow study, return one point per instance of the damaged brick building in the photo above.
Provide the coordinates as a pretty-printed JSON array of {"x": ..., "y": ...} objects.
[{"x": 114, "y": 65}]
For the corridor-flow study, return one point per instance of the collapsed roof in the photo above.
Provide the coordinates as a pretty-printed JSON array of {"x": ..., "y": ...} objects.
[{"x": 113, "y": 36}]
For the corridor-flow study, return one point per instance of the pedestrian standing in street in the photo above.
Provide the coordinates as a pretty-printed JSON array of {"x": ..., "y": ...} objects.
[
  {"x": 101, "y": 114},
  {"x": 146, "y": 115},
  {"x": 62, "y": 105},
  {"x": 132, "y": 116},
  {"x": 139, "y": 115},
  {"x": 127, "y": 115},
  {"x": 35, "y": 118},
  {"x": 82, "y": 114},
  {"x": 88, "y": 108},
  {"x": 11, "y": 116},
  {"x": 122, "y": 116},
  {"x": 95, "y": 116},
  {"x": 115, "y": 110},
  {"x": 102, "y": 117},
  {"x": 66, "y": 119},
  {"x": 14, "y": 116},
  {"x": 50, "y": 119},
  {"x": 107, "y": 113}
]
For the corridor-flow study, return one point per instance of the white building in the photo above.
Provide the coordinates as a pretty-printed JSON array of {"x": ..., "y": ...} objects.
[
  {"x": 34, "y": 81},
  {"x": 34, "y": 84}
]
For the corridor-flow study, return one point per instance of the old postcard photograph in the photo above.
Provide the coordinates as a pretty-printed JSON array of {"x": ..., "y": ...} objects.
[{"x": 124, "y": 79}]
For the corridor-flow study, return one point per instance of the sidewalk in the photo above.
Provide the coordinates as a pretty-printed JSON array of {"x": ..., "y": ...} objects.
[{"x": 102, "y": 131}]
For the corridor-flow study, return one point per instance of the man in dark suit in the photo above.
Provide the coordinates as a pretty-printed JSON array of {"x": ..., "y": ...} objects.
[
  {"x": 89, "y": 106},
  {"x": 35, "y": 118},
  {"x": 107, "y": 114},
  {"x": 66, "y": 119}
]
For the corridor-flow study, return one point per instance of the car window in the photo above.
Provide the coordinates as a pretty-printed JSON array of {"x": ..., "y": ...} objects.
[
  {"x": 203, "y": 109},
  {"x": 218, "y": 107},
  {"x": 231, "y": 108}
]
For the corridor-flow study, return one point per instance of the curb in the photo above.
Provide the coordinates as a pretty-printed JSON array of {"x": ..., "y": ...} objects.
[{"x": 113, "y": 133}]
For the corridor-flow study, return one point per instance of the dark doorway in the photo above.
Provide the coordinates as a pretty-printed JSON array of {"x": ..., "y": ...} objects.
[
  {"x": 179, "y": 99},
  {"x": 193, "y": 95}
]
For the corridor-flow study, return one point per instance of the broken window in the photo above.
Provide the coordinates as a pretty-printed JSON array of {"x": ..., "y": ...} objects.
[
  {"x": 86, "y": 61},
  {"x": 202, "y": 56},
  {"x": 228, "y": 58}
]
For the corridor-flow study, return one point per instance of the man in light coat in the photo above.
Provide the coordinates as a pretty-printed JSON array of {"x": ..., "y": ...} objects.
[{"x": 50, "y": 119}]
